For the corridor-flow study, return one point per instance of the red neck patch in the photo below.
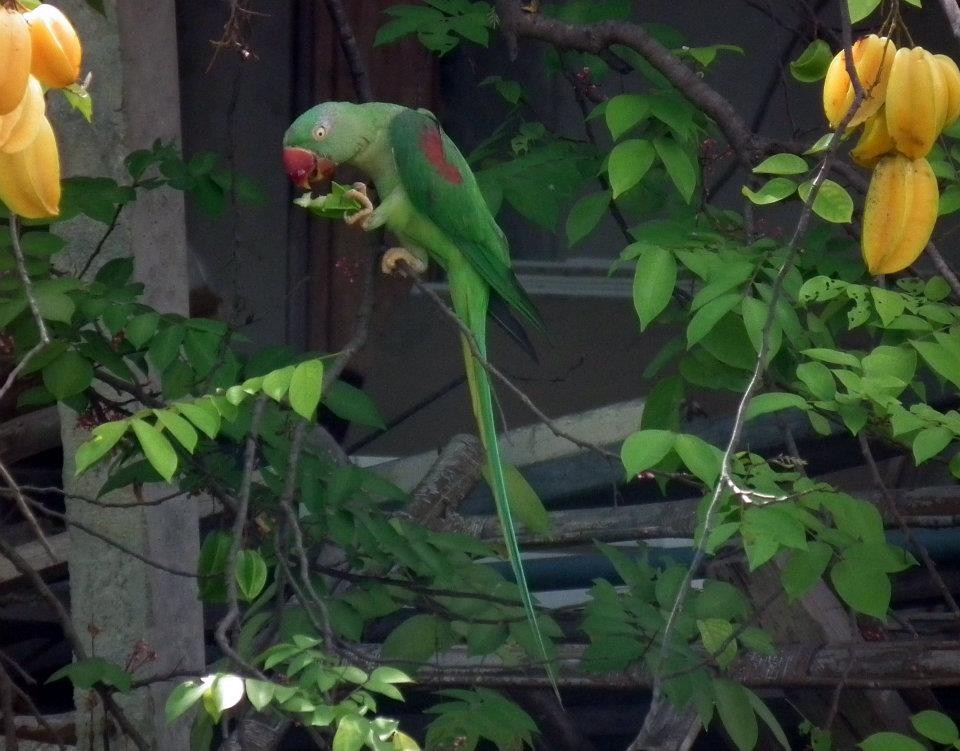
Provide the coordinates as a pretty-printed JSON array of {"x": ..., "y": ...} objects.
[{"x": 431, "y": 144}]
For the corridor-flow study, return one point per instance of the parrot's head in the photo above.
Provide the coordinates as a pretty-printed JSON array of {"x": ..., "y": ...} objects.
[{"x": 322, "y": 138}]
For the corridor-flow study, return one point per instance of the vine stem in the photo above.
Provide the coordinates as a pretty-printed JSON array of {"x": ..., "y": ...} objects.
[
  {"x": 725, "y": 478},
  {"x": 236, "y": 541},
  {"x": 25, "y": 278}
]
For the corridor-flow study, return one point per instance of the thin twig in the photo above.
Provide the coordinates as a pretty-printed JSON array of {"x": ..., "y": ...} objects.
[
  {"x": 103, "y": 238},
  {"x": 25, "y": 278},
  {"x": 6, "y": 706},
  {"x": 25, "y": 511},
  {"x": 239, "y": 525},
  {"x": 598, "y": 37},
  {"x": 841, "y": 684},
  {"x": 497, "y": 373},
  {"x": 286, "y": 504},
  {"x": 40, "y": 490},
  {"x": 134, "y": 389},
  {"x": 421, "y": 589},
  {"x": 941, "y": 263},
  {"x": 760, "y": 365},
  {"x": 34, "y": 350},
  {"x": 52, "y": 732},
  {"x": 9, "y": 552},
  {"x": 360, "y": 331},
  {"x": 122, "y": 547},
  {"x": 351, "y": 50},
  {"x": 952, "y": 11},
  {"x": 908, "y": 535}
]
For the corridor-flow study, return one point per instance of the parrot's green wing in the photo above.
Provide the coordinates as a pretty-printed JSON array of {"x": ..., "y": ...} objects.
[{"x": 440, "y": 185}]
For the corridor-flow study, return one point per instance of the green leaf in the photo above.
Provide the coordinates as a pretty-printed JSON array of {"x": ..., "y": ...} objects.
[
  {"x": 888, "y": 741},
  {"x": 214, "y": 555},
  {"x": 813, "y": 62},
  {"x": 755, "y": 313},
  {"x": 260, "y": 693},
  {"x": 306, "y": 384},
  {"x": 702, "y": 459},
  {"x": 182, "y": 698},
  {"x": 929, "y": 442},
  {"x": 709, "y": 315},
  {"x": 782, "y": 164},
  {"x": 866, "y": 591},
  {"x": 832, "y": 356},
  {"x": 276, "y": 382},
  {"x": 764, "y": 713},
  {"x": 736, "y": 713},
  {"x": 54, "y": 305},
  {"x": 85, "y": 674},
  {"x": 628, "y": 163},
  {"x": 681, "y": 169},
  {"x": 645, "y": 449},
  {"x": 524, "y": 501},
  {"x": 880, "y": 556},
  {"x": 949, "y": 200},
  {"x": 805, "y": 568},
  {"x": 353, "y": 405},
  {"x": 202, "y": 351},
  {"x": 625, "y": 111},
  {"x": 104, "y": 438},
  {"x": 335, "y": 205},
  {"x": 653, "y": 283},
  {"x": 116, "y": 272},
  {"x": 860, "y": 9},
  {"x": 832, "y": 204},
  {"x": 942, "y": 360},
  {"x": 887, "y": 361},
  {"x": 661, "y": 409},
  {"x": 165, "y": 347},
  {"x": 203, "y": 414},
  {"x": 140, "y": 329},
  {"x": 774, "y": 401},
  {"x": 586, "y": 215},
  {"x": 251, "y": 573},
  {"x": 717, "y": 637},
  {"x": 179, "y": 428},
  {"x": 417, "y": 639},
  {"x": 41, "y": 244},
  {"x": 349, "y": 735},
  {"x": 225, "y": 692},
  {"x": 818, "y": 379},
  {"x": 770, "y": 192},
  {"x": 936, "y": 726},
  {"x": 69, "y": 374},
  {"x": 757, "y": 640},
  {"x": 855, "y": 517},
  {"x": 156, "y": 448}
]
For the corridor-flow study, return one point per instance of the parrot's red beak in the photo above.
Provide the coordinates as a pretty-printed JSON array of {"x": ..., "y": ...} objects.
[{"x": 304, "y": 167}]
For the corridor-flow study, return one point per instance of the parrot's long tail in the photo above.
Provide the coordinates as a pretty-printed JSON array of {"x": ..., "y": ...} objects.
[{"x": 473, "y": 312}]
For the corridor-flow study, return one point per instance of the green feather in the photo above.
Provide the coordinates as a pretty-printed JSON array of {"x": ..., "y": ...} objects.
[{"x": 430, "y": 200}]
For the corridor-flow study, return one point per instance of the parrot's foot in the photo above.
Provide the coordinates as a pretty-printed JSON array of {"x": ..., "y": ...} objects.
[
  {"x": 359, "y": 193},
  {"x": 395, "y": 258}
]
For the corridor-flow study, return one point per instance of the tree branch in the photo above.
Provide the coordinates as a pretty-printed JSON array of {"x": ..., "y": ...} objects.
[
  {"x": 25, "y": 279},
  {"x": 80, "y": 653},
  {"x": 598, "y": 37},
  {"x": 239, "y": 524},
  {"x": 351, "y": 50}
]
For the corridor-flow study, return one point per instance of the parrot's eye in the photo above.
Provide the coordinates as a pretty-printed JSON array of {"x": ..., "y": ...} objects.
[{"x": 319, "y": 132}]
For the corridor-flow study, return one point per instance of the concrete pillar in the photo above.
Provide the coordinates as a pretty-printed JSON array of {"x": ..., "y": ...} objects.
[{"x": 123, "y": 608}]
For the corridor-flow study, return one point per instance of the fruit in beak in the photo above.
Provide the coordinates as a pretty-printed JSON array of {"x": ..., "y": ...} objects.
[{"x": 304, "y": 167}]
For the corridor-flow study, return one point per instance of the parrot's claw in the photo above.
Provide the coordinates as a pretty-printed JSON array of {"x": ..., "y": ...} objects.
[
  {"x": 359, "y": 193},
  {"x": 394, "y": 257}
]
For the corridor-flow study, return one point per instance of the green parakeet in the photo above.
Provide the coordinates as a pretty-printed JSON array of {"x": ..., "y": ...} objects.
[{"x": 430, "y": 201}]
